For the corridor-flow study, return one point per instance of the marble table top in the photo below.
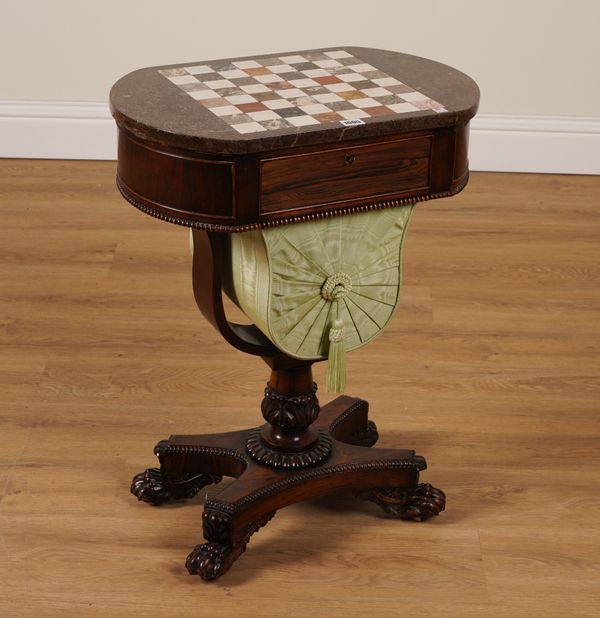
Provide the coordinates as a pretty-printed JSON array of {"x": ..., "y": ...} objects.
[{"x": 282, "y": 100}]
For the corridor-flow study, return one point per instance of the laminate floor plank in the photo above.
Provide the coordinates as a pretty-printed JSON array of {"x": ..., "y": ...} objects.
[{"x": 490, "y": 368}]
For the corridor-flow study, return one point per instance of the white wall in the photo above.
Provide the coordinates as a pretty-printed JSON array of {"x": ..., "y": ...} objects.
[{"x": 530, "y": 57}]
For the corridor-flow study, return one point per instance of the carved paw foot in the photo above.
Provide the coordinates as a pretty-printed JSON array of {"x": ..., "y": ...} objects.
[
  {"x": 426, "y": 502},
  {"x": 155, "y": 487},
  {"x": 209, "y": 560}
]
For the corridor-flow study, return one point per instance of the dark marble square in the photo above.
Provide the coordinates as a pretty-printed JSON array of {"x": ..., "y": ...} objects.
[
  {"x": 362, "y": 85},
  {"x": 312, "y": 90},
  {"x": 314, "y": 56},
  {"x": 222, "y": 66},
  {"x": 388, "y": 99},
  {"x": 229, "y": 91},
  {"x": 243, "y": 81},
  {"x": 291, "y": 75},
  {"x": 193, "y": 87},
  {"x": 288, "y": 112},
  {"x": 304, "y": 66},
  {"x": 328, "y": 117},
  {"x": 338, "y": 70},
  {"x": 374, "y": 74},
  {"x": 399, "y": 88},
  {"x": 207, "y": 77},
  {"x": 237, "y": 118},
  {"x": 251, "y": 107},
  {"x": 275, "y": 123},
  {"x": 264, "y": 96},
  {"x": 340, "y": 105},
  {"x": 380, "y": 110}
]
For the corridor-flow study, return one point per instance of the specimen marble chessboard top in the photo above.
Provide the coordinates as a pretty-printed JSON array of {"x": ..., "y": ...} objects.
[
  {"x": 276, "y": 92},
  {"x": 279, "y": 100}
]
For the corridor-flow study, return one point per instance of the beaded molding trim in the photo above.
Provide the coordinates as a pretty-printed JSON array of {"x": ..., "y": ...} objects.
[
  {"x": 219, "y": 227},
  {"x": 164, "y": 448},
  {"x": 359, "y": 403},
  {"x": 415, "y": 462},
  {"x": 288, "y": 461}
]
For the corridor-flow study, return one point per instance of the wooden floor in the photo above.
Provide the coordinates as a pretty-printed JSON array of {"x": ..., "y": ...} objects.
[{"x": 491, "y": 369}]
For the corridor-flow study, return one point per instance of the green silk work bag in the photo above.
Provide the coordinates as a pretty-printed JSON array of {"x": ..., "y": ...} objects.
[{"x": 320, "y": 288}]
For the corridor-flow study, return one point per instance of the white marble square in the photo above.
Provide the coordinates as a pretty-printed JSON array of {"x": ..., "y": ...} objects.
[
  {"x": 338, "y": 53},
  {"x": 269, "y": 78},
  {"x": 182, "y": 79},
  {"x": 281, "y": 68},
  {"x": 376, "y": 92},
  {"x": 266, "y": 114},
  {"x": 339, "y": 87},
  {"x": 225, "y": 110},
  {"x": 305, "y": 100},
  {"x": 351, "y": 114},
  {"x": 240, "y": 98},
  {"x": 315, "y": 108},
  {"x": 326, "y": 64},
  {"x": 362, "y": 68},
  {"x": 302, "y": 121},
  {"x": 364, "y": 102},
  {"x": 351, "y": 77},
  {"x": 387, "y": 81},
  {"x": 402, "y": 108},
  {"x": 199, "y": 69},
  {"x": 316, "y": 73},
  {"x": 252, "y": 88},
  {"x": 331, "y": 97},
  {"x": 246, "y": 64},
  {"x": 233, "y": 74},
  {"x": 278, "y": 103},
  {"x": 290, "y": 93},
  {"x": 201, "y": 95},
  {"x": 303, "y": 83},
  {"x": 248, "y": 127},
  {"x": 219, "y": 83},
  {"x": 414, "y": 96},
  {"x": 292, "y": 59}
]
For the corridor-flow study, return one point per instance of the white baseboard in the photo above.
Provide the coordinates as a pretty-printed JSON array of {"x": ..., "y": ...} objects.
[
  {"x": 499, "y": 143},
  {"x": 544, "y": 144},
  {"x": 57, "y": 130}
]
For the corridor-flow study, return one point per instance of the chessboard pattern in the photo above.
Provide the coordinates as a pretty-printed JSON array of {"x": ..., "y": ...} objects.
[{"x": 279, "y": 92}]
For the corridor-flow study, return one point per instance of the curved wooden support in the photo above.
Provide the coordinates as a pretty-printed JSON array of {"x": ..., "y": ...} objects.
[{"x": 208, "y": 265}]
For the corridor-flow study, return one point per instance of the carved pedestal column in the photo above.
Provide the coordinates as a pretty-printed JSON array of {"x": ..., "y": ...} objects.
[{"x": 289, "y": 440}]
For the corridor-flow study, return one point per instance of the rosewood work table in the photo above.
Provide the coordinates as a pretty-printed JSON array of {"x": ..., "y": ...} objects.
[{"x": 242, "y": 146}]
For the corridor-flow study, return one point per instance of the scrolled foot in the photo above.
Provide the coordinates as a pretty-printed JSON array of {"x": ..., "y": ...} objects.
[
  {"x": 419, "y": 505},
  {"x": 426, "y": 502},
  {"x": 156, "y": 487},
  {"x": 209, "y": 560},
  {"x": 148, "y": 487}
]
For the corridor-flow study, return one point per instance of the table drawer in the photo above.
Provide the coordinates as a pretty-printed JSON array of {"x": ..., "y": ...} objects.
[{"x": 344, "y": 174}]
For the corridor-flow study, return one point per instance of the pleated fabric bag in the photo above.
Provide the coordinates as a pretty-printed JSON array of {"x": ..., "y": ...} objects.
[{"x": 321, "y": 288}]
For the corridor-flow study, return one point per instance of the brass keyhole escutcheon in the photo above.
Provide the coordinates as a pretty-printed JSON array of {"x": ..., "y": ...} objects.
[{"x": 349, "y": 158}]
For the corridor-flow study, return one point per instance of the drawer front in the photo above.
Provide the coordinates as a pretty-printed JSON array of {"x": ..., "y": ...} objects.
[{"x": 344, "y": 174}]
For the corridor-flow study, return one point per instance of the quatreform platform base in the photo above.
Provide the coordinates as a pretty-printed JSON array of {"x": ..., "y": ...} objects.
[
  {"x": 340, "y": 460},
  {"x": 238, "y": 144}
]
